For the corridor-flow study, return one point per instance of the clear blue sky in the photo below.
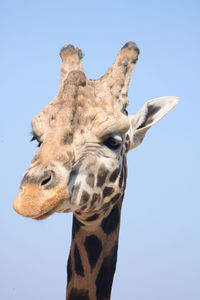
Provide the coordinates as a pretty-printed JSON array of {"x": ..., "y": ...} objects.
[{"x": 159, "y": 252}]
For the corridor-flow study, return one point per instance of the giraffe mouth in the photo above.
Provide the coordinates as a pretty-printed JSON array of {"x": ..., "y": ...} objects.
[{"x": 46, "y": 214}]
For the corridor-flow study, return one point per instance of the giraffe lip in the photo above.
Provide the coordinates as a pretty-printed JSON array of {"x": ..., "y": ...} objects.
[{"x": 46, "y": 214}]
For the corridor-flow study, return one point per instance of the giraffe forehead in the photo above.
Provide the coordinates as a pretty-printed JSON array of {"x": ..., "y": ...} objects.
[
  {"x": 64, "y": 111},
  {"x": 66, "y": 118}
]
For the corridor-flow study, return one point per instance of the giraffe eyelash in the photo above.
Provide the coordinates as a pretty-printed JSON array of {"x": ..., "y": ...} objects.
[
  {"x": 125, "y": 112},
  {"x": 35, "y": 138}
]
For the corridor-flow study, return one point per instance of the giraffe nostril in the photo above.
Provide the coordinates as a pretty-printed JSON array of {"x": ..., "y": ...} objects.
[{"x": 46, "y": 180}]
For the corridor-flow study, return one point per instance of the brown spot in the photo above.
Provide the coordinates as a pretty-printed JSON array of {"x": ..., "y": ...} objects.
[
  {"x": 85, "y": 197},
  {"x": 125, "y": 171},
  {"x": 76, "y": 225},
  {"x": 102, "y": 174},
  {"x": 76, "y": 294},
  {"x": 75, "y": 190},
  {"x": 107, "y": 191},
  {"x": 115, "y": 198},
  {"x": 105, "y": 276},
  {"x": 92, "y": 218},
  {"x": 83, "y": 207},
  {"x": 114, "y": 175},
  {"x": 76, "y": 78},
  {"x": 121, "y": 177},
  {"x": 126, "y": 69},
  {"x": 68, "y": 138},
  {"x": 93, "y": 247},
  {"x": 90, "y": 180},
  {"x": 110, "y": 223},
  {"x": 122, "y": 84},
  {"x": 134, "y": 61},
  {"x": 69, "y": 269},
  {"x": 95, "y": 198}
]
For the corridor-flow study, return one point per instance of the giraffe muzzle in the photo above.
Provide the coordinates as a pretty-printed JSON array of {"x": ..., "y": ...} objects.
[{"x": 40, "y": 197}]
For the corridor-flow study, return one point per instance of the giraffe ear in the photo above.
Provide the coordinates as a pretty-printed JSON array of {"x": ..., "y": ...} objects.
[{"x": 150, "y": 113}]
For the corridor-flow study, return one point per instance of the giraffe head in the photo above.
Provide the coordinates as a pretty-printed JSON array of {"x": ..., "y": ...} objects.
[{"x": 84, "y": 135}]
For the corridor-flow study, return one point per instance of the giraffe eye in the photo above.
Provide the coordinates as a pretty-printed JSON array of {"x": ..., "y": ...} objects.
[{"x": 113, "y": 142}]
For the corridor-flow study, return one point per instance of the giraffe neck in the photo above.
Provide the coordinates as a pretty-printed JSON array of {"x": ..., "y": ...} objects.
[{"x": 93, "y": 256}]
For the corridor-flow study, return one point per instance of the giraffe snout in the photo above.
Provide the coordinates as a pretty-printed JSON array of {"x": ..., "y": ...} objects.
[{"x": 41, "y": 193}]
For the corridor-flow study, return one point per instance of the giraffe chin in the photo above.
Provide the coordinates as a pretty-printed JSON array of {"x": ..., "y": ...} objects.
[{"x": 36, "y": 203}]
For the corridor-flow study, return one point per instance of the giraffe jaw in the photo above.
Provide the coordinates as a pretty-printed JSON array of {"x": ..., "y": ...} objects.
[{"x": 32, "y": 202}]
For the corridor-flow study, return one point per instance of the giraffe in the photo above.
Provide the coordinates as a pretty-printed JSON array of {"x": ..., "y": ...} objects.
[{"x": 84, "y": 136}]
